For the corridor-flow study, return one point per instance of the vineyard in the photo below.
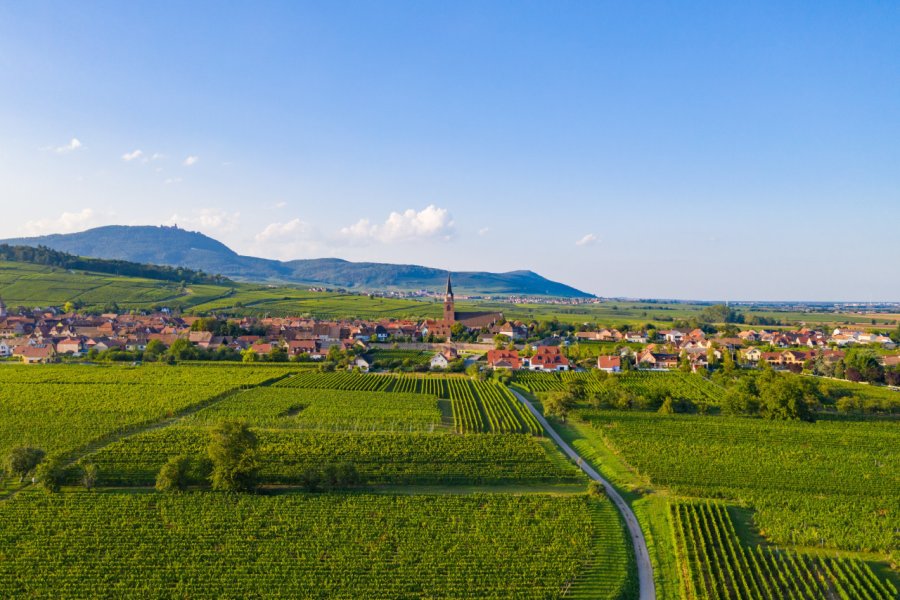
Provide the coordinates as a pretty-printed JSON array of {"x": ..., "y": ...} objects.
[
  {"x": 202, "y": 545},
  {"x": 715, "y": 564},
  {"x": 61, "y": 417},
  {"x": 333, "y": 410},
  {"x": 381, "y": 457},
  {"x": 390, "y": 357},
  {"x": 478, "y": 406},
  {"x": 832, "y": 484},
  {"x": 677, "y": 385}
]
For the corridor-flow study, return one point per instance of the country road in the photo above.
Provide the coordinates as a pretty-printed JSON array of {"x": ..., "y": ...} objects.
[{"x": 645, "y": 568}]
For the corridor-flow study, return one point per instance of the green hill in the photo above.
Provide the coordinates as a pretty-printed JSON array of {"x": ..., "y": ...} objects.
[{"x": 179, "y": 248}]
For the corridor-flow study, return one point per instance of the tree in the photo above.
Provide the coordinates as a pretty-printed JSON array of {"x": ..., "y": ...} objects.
[
  {"x": 50, "y": 475},
  {"x": 667, "y": 407},
  {"x": 786, "y": 398},
  {"x": 576, "y": 389},
  {"x": 249, "y": 355},
  {"x": 22, "y": 461},
  {"x": 154, "y": 349},
  {"x": 558, "y": 404},
  {"x": 90, "y": 474},
  {"x": 727, "y": 361},
  {"x": 181, "y": 349},
  {"x": 232, "y": 450},
  {"x": 69, "y": 307},
  {"x": 596, "y": 489},
  {"x": 173, "y": 476}
]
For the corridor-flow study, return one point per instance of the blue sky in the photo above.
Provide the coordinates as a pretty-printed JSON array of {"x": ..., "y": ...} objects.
[{"x": 682, "y": 150}]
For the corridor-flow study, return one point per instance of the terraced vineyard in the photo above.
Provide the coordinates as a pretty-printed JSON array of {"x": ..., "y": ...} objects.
[
  {"x": 716, "y": 565},
  {"x": 832, "y": 484},
  {"x": 478, "y": 406},
  {"x": 682, "y": 386},
  {"x": 323, "y": 546}
]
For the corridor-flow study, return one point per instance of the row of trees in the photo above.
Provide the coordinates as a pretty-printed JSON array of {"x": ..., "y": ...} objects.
[
  {"x": 233, "y": 466},
  {"x": 48, "y": 472}
]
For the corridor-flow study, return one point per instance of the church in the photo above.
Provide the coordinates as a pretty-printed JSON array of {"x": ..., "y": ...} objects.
[{"x": 469, "y": 320}]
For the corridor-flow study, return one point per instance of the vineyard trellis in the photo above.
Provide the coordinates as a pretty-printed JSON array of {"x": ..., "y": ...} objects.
[
  {"x": 478, "y": 406},
  {"x": 718, "y": 566}
]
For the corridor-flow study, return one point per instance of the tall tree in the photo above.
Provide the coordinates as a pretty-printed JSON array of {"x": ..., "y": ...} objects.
[
  {"x": 233, "y": 452},
  {"x": 22, "y": 461}
]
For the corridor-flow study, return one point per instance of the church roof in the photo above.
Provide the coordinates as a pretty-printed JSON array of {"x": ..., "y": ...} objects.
[{"x": 449, "y": 291}]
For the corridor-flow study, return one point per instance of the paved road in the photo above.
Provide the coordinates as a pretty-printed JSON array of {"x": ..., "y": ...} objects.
[{"x": 645, "y": 568}]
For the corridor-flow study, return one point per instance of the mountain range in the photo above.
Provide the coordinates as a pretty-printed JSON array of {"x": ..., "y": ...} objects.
[{"x": 176, "y": 247}]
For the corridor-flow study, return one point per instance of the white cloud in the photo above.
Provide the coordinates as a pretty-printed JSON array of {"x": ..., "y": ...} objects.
[
  {"x": 587, "y": 240},
  {"x": 74, "y": 144},
  {"x": 207, "y": 219},
  {"x": 157, "y": 156},
  {"x": 283, "y": 231},
  {"x": 190, "y": 161},
  {"x": 484, "y": 231},
  {"x": 130, "y": 156},
  {"x": 429, "y": 223},
  {"x": 289, "y": 240},
  {"x": 67, "y": 222},
  {"x": 281, "y": 204},
  {"x": 171, "y": 180}
]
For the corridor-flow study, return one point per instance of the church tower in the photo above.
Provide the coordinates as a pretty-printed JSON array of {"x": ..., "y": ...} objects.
[
  {"x": 449, "y": 311},
  {"x": 2, "y": 309}
]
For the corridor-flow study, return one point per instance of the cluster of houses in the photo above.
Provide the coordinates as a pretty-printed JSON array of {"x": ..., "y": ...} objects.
[{"x": 43, "y": 336}]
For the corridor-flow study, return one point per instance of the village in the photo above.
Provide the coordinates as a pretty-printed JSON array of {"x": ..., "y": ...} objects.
[{"x": 456, "y": 340}]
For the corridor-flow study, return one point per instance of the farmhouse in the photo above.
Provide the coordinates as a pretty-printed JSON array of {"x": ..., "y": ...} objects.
[
  {"x": 610, "y": 364},
  {"x": 504, "y": 359},
  {"x": 40, "y": 353},
  {"x": 549, "y": 358}
]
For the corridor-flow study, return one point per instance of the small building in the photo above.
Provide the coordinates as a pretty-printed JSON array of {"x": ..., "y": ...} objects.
[
  {"x": 610, "y": 364},
  {"x": 442, "y": 359}
]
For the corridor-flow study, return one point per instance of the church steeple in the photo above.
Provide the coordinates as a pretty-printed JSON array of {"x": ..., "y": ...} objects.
[{"x": 449, "y": 310}]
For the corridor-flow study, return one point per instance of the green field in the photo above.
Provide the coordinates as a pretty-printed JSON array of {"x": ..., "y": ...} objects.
[
  {"x": 533, "y": 535},
  {"x": 832, "y": 484},
  {"x": 203, "y": 545},
  {"x": 102, "y": 402}
]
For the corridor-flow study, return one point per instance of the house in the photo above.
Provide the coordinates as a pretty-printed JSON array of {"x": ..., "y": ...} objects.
[
  {"x": 657, "y": 360},
  {"x": 549, "y": 358},
  {"x": 751, "y": 355},
  {"x": 39, "y": 353},
  {"x": 71, "y": 346},
  {"x": 673, "y": 336},
  {"x": 504, "y": 359},
  {"x": 6, "y": 349},
  {"x": 891, "y": 361},
  {"x": 610, "y": 364},
  {"x": 362, "y": 363},
  {"x": 298, "y": 347},
  {"x": 442, "y": 359},
  {"x": 514, "y": 331},
  {"x": 636, "y": 337}
]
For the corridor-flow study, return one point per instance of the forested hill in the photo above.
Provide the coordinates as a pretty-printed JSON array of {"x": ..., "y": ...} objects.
[
  {"x": 180, "y": 248},
  {"x": 42, "y": 255}
]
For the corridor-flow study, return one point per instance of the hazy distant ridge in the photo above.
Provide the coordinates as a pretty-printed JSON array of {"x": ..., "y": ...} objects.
[{"x": 180, "y": 248}]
